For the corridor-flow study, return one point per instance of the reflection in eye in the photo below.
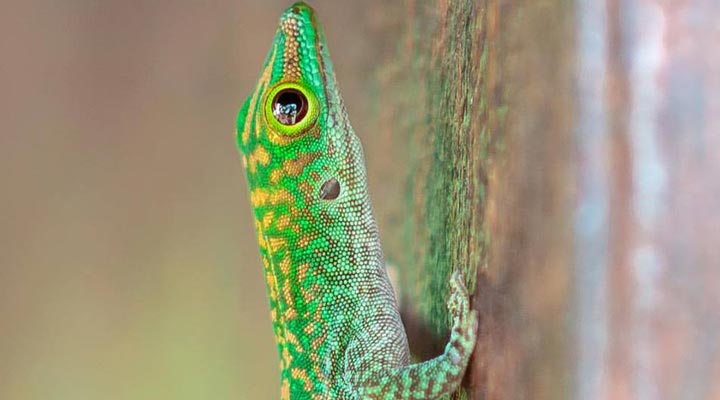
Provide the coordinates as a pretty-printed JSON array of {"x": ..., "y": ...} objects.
[
  {"x": 289, "y": 107},
  {"x": 286, "y": 114}
]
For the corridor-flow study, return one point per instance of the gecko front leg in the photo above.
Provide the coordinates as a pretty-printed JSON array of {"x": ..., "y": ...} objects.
[{"x": 441, "y": 375}]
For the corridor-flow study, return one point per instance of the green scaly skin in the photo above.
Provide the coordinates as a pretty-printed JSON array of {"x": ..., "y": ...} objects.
[{"x": 335, "y": 317}]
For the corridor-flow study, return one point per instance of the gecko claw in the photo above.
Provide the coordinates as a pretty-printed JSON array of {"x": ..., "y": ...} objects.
[{"x": 464, "y": 320}]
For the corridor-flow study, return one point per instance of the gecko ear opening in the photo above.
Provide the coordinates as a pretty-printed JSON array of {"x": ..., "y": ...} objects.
[
  {"x": 291, "y": 109},
  {"x": 330, "y": 190}
]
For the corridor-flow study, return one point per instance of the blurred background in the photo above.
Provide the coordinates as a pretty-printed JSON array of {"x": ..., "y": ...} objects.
[{"x": 128, "y": 263}]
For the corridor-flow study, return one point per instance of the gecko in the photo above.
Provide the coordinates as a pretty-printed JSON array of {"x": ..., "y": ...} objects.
[{"x": 335, "y": 317}]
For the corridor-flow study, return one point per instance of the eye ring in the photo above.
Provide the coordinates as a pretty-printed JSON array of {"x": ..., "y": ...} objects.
[{"x": 291, "y": 109}]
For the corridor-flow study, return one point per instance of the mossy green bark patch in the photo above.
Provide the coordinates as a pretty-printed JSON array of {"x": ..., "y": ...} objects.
[{"x": 436, "y": 99}]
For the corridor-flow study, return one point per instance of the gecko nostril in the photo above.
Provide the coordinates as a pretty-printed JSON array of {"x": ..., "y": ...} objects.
[{"x": 330, "y": 190}]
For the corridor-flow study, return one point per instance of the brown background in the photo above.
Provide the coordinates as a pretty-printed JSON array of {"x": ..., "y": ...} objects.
[{"x": 128, "y": 264}]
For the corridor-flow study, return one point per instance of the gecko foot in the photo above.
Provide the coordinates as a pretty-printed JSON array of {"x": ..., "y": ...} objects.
[
  {"x": 464, "y": 321},
  {"x": 442, "y": 375}
]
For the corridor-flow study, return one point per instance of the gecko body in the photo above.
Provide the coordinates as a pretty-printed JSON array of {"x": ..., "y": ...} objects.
[{"x": 338, "y": 330}]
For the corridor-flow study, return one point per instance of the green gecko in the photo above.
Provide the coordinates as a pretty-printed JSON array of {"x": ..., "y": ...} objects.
[{"x": 334, "y": 312}]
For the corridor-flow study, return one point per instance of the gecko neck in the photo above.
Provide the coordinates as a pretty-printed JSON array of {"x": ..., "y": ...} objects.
[{"x": 317, "y": 258}]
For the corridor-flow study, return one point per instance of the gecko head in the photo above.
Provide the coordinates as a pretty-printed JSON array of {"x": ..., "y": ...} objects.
[{"x": 294, "y": 124}]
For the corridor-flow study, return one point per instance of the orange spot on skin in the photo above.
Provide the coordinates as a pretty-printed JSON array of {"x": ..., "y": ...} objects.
[
  {"x": 302, "y": 271},
  {"x": 309, "y": 295},
  {"x": 281, "y": 196},
  {"x": 291, "y": 59},
  {"x": 283, "y": 222},
  {"x": 262, "y": 155},
  {"x": 277, "y": 244},
  {"x": 266, "y": 264},
  {"x": 285, "y": 266},
  {"x": 296, "y": 166},
  {"x": 294, "y": 341},
  {"x": 290, "y": 314},
  {"x": 275, "y": 176},
  {"x": 272, "y": 285},
  {"x": 315, "y": 358},
  {"x": 260, "y": 197},
  {"x": 307, "y": 190},
  {"x": 285, "y": 390},
  {"x": 268, "y": 218},
  {"x": 287, "y": 357},
  {"x": 303, "y": 242},
  {"x": 318, "y": 341},
  {"x": 280, "y": 336},
  {"x": 302, "y": 375},
  {"x": 258, "y": 156},
  {"x": 309, "y": 329}
]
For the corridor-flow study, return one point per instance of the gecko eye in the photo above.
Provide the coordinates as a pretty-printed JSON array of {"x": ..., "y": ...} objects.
[
  {"x": 291, "y": 109},
  {"x": 330, "y": 190},
  {"x": 289, "y": 106}
]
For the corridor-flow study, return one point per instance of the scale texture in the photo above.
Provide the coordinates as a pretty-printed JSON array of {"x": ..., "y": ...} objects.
[{"x": 338, "y": 330}]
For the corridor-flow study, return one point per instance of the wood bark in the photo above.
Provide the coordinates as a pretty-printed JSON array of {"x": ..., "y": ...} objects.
[{"x": 566, "y": 155}]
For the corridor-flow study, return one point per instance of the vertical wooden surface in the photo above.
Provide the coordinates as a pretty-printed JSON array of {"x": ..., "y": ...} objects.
[
  {"x": 569, "y": 153},
  {"x": 528, "y": 338},
  {"x": 433, "y": 92}
]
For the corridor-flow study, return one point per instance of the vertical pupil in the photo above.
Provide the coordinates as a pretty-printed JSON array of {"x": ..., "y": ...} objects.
[{"x": 289, "y": 106}]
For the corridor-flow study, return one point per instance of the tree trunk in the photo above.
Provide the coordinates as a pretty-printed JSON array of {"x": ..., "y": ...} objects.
[{"x": 565, "y": 155}]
